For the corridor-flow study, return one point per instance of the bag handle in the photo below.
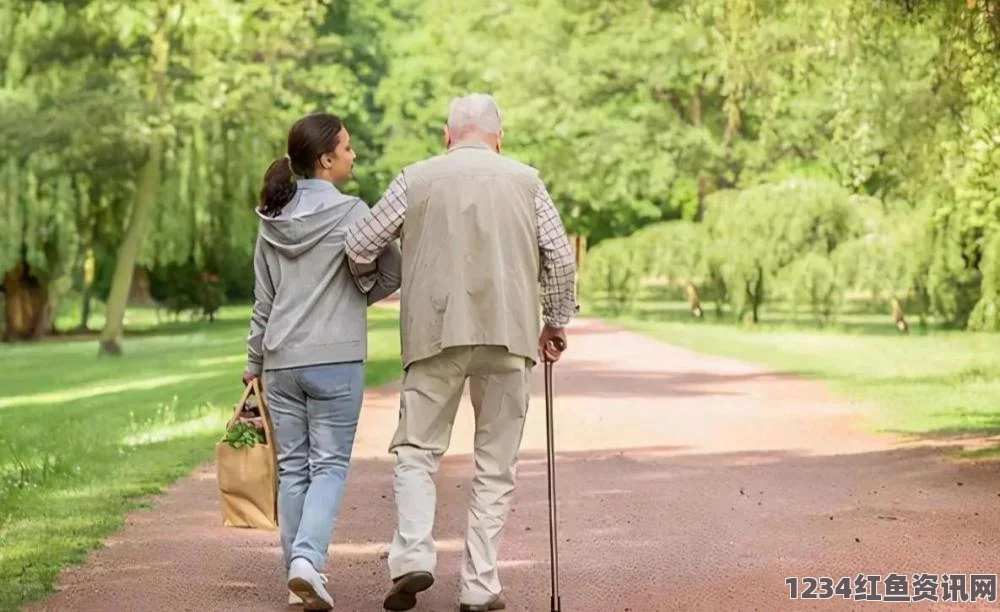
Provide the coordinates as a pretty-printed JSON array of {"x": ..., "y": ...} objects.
[
  {"x": 238, "y": 408},
  {"x": 254, "y": 387}
]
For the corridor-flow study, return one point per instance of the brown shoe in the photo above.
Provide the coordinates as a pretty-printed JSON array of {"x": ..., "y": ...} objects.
[
  {"x": 495, "y": 603},
  {"x": 403, "y": 594}
]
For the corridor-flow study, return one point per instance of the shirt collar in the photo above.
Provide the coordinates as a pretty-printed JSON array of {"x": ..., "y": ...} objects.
[{"x": 469, "y": 144}]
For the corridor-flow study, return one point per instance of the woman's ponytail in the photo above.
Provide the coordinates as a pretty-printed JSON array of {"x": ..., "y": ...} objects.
[{"x": 279, "y": 187}]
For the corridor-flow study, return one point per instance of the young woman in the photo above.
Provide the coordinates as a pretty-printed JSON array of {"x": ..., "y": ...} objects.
[{"x": 308, "y": 338}]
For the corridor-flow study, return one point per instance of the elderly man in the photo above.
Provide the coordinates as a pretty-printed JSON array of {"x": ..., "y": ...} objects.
[{"x": 478, "y": 232}]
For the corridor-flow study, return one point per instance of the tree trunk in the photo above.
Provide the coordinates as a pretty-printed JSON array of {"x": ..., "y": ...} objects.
[
  {"x": 59, "y": 273},
  {"x": 46, "y": 323},
  {"x": 702, "y": 176},
  {"x": 26, "y": 303},
  {"x": 699, "y": 214},
  {"x": 694, "y": 301},
  {"x": 754, "y": 297},
  {"x": 149, "y": 180},
  {"x": 83, "y": 266},
  {"x": 140, "y": 293},
  {"x": 85, "y": 310},
  {"x": 898, "y": 316},
  {"x": 758, "y": 296},
  {"x": 579, "y": 244},
  {"x": 128, "y": 253},
  {"x": 86, "y": 282}
]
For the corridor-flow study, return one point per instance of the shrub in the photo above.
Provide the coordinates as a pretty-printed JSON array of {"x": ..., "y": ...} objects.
[
  {"x": 670, "y": 250},
  {"x": 183, "y": 287},
  {"x": 890, "y": 260},
  {"x": 814, "y": 281},
  {"x": 953, "y": 277},
  {"x": 613, "y": 272},
  {"x": 986, "y": 314},
  {"x": 755, "y": 233}
]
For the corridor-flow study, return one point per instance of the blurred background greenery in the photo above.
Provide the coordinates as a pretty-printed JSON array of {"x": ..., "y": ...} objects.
[
  {"x": 806, "y": 183},
  {"x": 767, "y": 151}
]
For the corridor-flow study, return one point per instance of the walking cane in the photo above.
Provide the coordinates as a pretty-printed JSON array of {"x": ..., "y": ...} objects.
[{"x": 560, "y": 345}]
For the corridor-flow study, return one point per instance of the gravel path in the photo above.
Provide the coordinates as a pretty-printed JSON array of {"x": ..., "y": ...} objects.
[{"x": 686, "y": 482}]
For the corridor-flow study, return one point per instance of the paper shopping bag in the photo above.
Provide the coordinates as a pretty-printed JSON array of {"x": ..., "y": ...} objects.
[{"x": 247, "y": 466}]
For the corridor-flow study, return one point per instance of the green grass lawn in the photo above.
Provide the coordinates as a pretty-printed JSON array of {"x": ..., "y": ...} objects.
[
  {"x": 84, "y": 438},
  {"x": 931, "y": 384}
]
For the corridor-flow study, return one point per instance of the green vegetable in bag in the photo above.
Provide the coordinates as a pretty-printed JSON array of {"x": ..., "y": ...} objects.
[{"x": 243, "y": 435}]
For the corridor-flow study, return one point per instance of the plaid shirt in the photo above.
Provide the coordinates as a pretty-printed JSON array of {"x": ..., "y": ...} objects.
[{"x": 558, "y": 270}]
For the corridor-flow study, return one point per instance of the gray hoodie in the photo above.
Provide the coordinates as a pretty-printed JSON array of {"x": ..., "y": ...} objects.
[{"x": 308, "y": 309}]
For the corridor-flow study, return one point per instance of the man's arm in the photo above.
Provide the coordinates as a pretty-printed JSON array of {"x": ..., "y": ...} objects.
[
  {"x": 367, "y": 239},
  {"x": 263, "y": 298},
  {"x": 558, "y": 266}
]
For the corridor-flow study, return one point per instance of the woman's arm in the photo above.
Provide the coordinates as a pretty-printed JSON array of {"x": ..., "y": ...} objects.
[
  {"x": 388, "y": 275},
  {"x": 263, "y": 298}
]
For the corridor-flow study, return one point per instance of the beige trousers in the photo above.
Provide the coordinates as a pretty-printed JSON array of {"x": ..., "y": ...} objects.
[{"x": 432, "y": 389}]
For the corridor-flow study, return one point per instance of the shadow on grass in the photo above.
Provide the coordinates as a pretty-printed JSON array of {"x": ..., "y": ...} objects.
[
  {"x": 153, "y": 330},
  {"x": 230, "y": 322},
  {"x": 774, "y": 323},
  {"x": 981, "y": 430},
  {"x": 650, "y": 307},
  {"x": 968, "y": 375},
  {"x": 934, "y": 382}
]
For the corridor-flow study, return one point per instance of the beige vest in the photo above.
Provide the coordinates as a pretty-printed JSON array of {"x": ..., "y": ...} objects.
[{"x": 470, "y": 254}]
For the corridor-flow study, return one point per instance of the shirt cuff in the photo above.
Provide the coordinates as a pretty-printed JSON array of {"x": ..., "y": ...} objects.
[
  {"x": 556, "y": 321},
  {"x": 255, "y": 367},
  {"x": 361, "y": 269}
]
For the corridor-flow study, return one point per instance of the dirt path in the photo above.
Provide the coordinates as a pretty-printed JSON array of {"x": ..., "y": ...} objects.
[{"x": 686, "y": 482}]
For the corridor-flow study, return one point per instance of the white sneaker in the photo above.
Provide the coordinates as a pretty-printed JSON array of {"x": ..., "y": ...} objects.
[
  {"x": 293, "y": 599},
  {"x": 307, "y": 583}
]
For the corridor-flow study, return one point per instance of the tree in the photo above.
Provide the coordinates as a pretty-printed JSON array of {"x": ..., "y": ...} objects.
[{"x": 757, "y": 232}]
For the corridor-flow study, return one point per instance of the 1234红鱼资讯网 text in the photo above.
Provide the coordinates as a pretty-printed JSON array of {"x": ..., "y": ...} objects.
[{"x": 897, "y": 587}]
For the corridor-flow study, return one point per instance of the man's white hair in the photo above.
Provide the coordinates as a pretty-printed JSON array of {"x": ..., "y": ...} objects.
[{"x": 475, "y": 111}]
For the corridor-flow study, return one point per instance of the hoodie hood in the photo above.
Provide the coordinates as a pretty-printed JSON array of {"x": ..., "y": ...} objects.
[{"x": 316, "y": 209}]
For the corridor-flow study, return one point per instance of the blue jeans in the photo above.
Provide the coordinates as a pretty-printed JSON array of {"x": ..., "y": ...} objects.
[{"x": 315, "y": 411}]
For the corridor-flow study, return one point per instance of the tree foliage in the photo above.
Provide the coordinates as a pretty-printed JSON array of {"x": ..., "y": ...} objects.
[
  {"x": 134, "y": 135},
  {"x": 137, "y": 133}
]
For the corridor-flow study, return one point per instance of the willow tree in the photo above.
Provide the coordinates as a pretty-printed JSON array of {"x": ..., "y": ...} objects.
[
  {"x": 165, "y": 18},
  {"x": 635, "y": 113},
  {"x": 203, "y": 225},
  {"x": 953, "y": 171},
  {"x": 759, "y": 233},
  {"x": 202, "y": 57},
  {"x": 59, "y": 139}
]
